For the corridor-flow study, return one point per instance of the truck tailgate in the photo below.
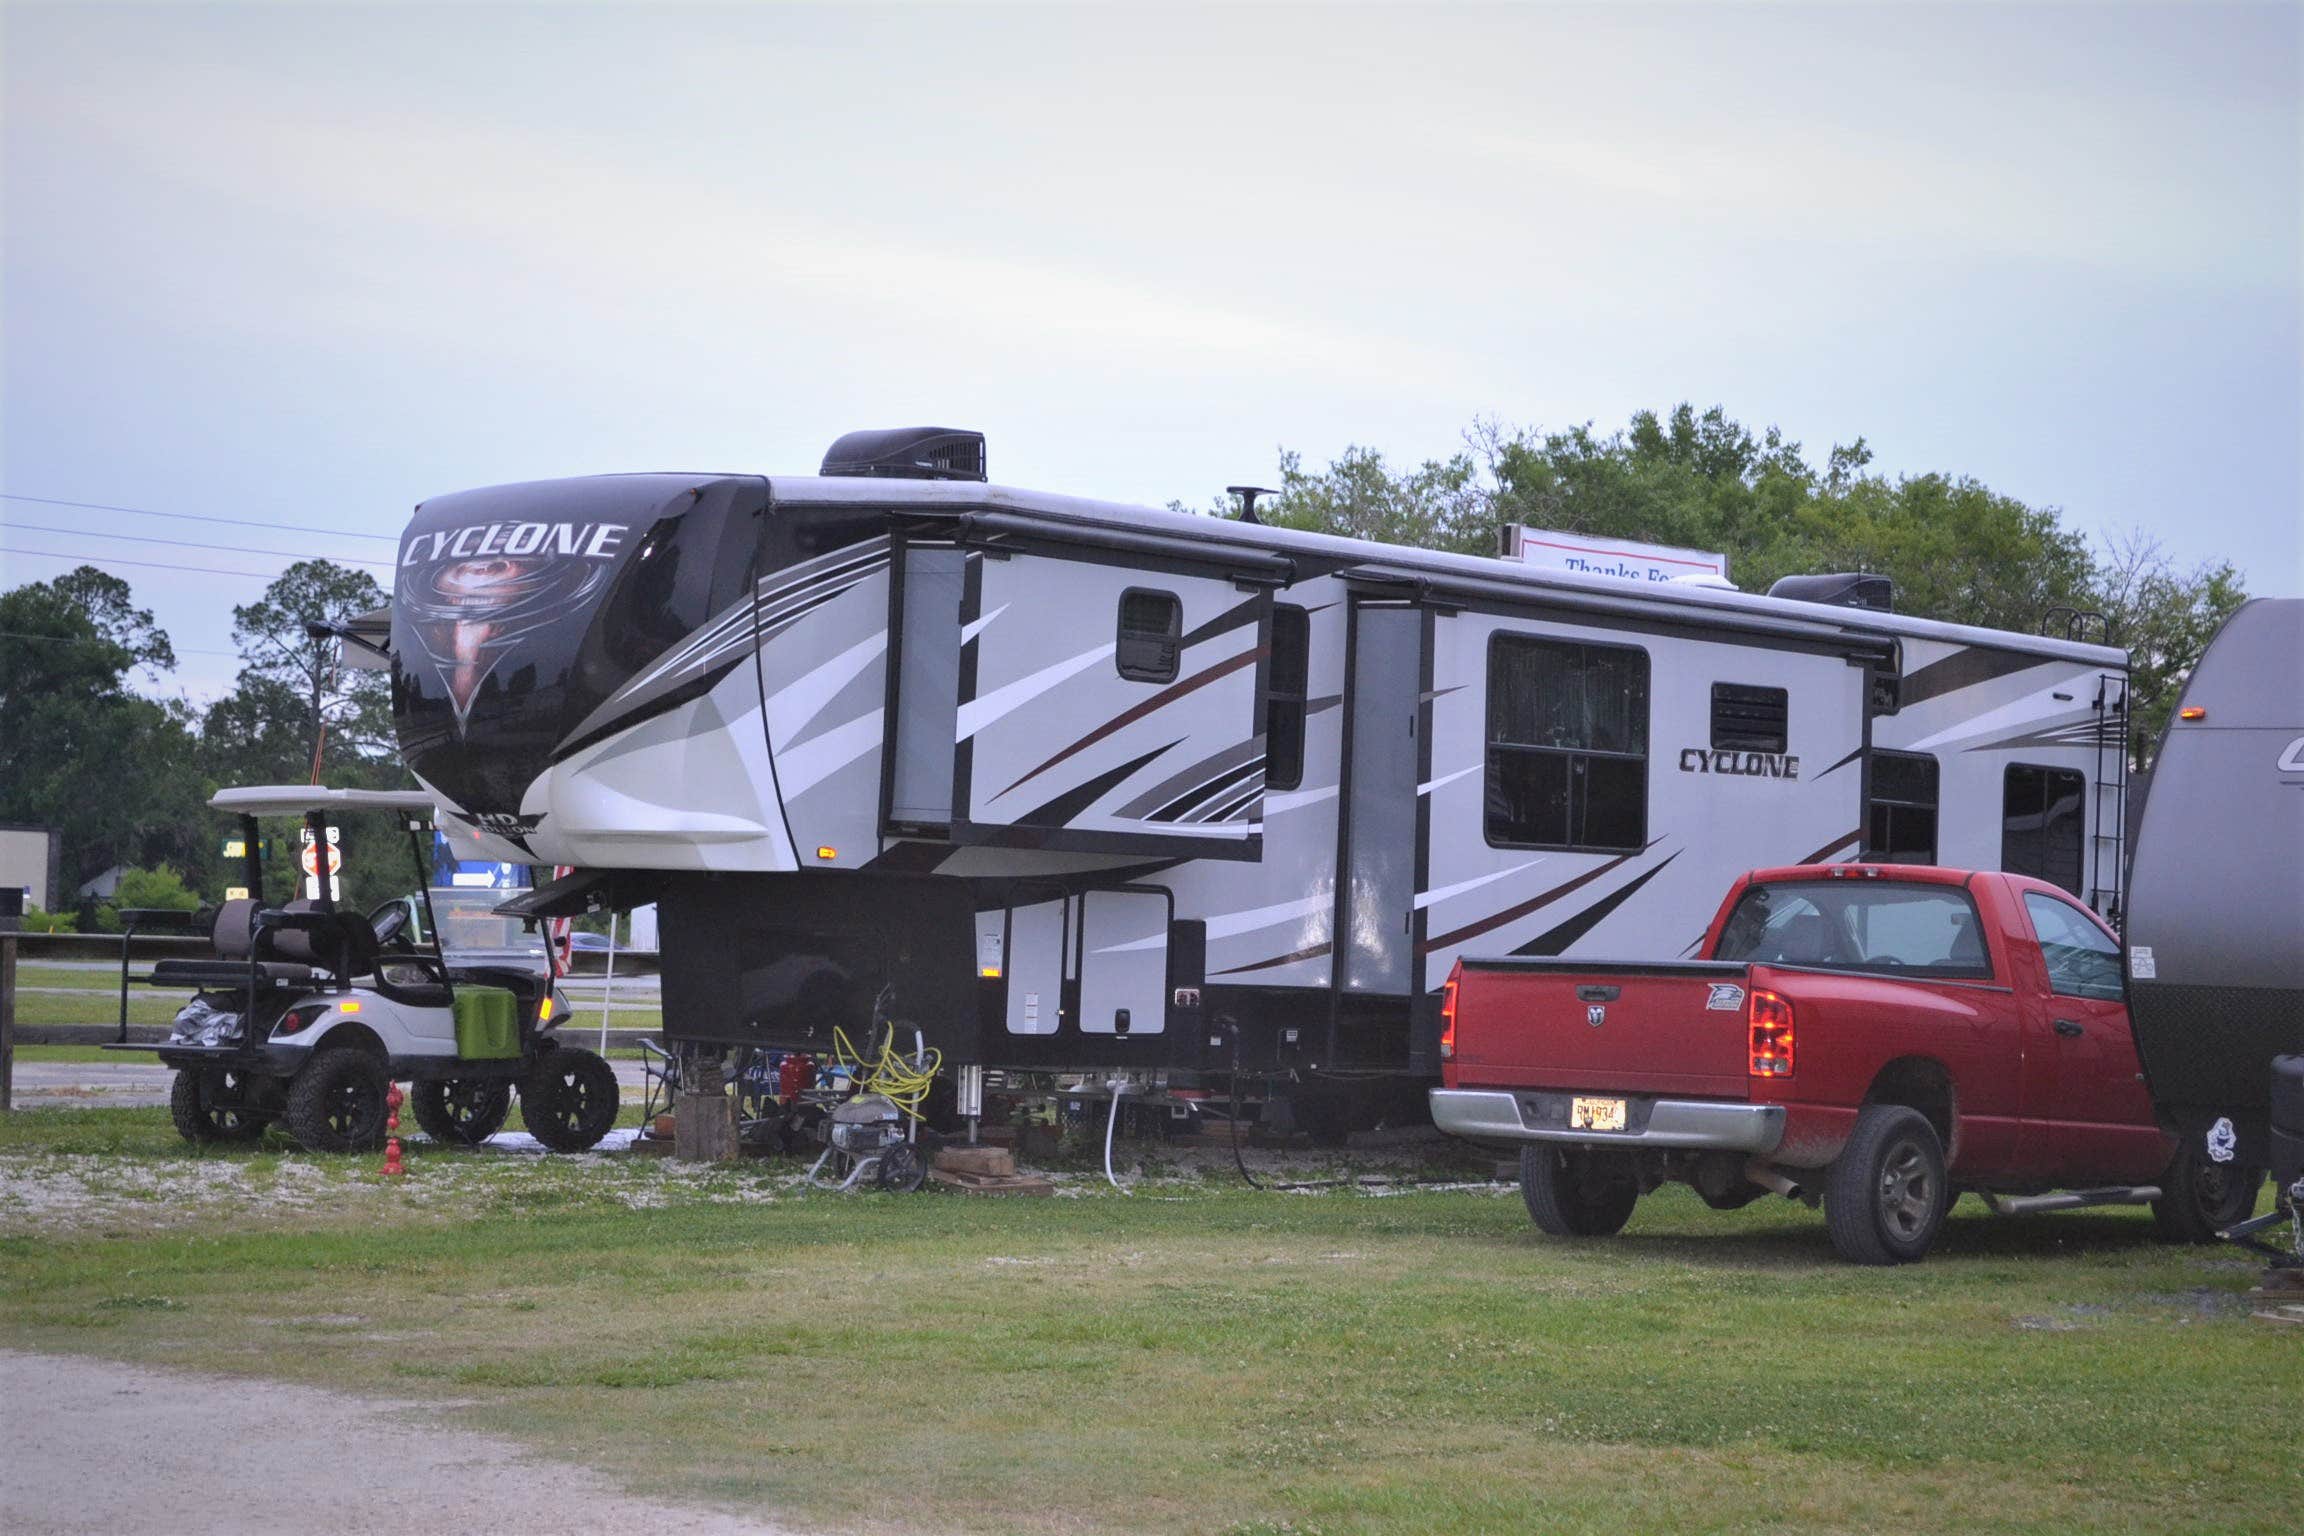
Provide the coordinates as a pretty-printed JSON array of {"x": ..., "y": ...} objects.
[{"x": 1649, "y": 1027}]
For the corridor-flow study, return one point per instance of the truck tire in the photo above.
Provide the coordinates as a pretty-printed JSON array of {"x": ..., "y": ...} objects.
[
  {"x": 1886, "y": 1195},
  {"x": 2200, "y": 1198},
  {"x": 461, "y": 1111},
  {"x": 336, "y": 1104},
  {"x": 193, "y": 1103},
  {"x": 1577, "y": 1191},
  {"x": 569, "y": 1099}
]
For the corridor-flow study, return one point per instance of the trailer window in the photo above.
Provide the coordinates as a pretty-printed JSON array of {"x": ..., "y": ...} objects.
[
  {"x": 2040, "y": 824},
  {"x": 1900, "y": 816},
  {"x": 1151, "y": 635},
  {"x": 1567, "y": 744},
  {"x": 1284, "y": 694},
  {"x": 2083, "y": 960},
  {"x": 1841, "y": 925},
  {"x": 1746, "y": 718}
]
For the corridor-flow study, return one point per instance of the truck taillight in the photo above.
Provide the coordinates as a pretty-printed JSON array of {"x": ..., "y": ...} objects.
[
  {"x": 1448, "y": 1021},
  {"x": 1771, "y": 1023}
]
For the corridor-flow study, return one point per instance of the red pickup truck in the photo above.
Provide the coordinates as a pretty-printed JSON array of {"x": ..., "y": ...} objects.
[{"x": 1874, "y": 1038}]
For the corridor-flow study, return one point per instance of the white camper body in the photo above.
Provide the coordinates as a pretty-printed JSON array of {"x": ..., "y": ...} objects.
[{"x": 1084, "y": 779}]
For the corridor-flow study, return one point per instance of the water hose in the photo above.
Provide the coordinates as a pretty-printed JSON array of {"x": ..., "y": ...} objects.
[
  {"x": 1119, "y": 1087},
  {"x": 903, "y": 1081}
]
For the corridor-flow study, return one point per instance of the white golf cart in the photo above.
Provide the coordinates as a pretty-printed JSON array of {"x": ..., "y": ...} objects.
[{"x": 308, "y": 1013}]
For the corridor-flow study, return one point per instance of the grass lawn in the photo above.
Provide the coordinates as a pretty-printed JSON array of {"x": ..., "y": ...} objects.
[
  {"x": 38, "y": 973},
  {"x": 78, "y": 1053},
  {"x": 145, "y": 1006},
  {"x": 1196, "y": 1357}
]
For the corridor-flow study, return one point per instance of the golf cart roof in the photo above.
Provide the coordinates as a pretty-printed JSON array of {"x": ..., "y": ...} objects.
[{"x": 296, "y": 799}]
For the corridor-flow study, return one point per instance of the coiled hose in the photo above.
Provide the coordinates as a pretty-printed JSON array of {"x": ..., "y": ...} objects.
[{"x": 902, "y": 1080}]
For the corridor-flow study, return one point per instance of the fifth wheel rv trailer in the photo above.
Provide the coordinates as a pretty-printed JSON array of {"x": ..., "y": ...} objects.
[
  {"x": 2216, "y": 940},
  {"x": 1098, "y": 787}
]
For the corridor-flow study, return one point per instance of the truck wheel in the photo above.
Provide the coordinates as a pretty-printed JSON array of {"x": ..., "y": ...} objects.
[
  {"x": 336, "y": 1104},
  {"x": 461, "y": 1111},
  {"x": 1577, "y": 1191},
  {"x": 568, "y": 1100},
  {"x": 2200, "y": 1198},
  {"x": 200, "y": 1105},
  {"x": 1886, "y": 1196}
]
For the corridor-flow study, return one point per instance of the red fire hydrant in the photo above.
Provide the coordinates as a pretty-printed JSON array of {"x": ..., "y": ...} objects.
[{"x": 392, "y": 1102}]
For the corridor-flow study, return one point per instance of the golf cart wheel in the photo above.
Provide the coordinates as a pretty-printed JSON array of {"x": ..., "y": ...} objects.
[
  {"x": 336, "y": 1104},
  {"x": 2201, "y": 1197},
  {"x": 1577, "y": 1191},
  {"x": 1885, "y": 1197},
  {"x": 204, "y": 1103},
  {"x": 461, "y": 1111},
  {"x": 569, "y": 1099}
]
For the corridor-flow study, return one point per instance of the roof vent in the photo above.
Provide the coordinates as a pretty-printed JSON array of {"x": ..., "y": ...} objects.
[
  {"x": 1850, "y": 589},
  {"x": 909, "y": 453}
]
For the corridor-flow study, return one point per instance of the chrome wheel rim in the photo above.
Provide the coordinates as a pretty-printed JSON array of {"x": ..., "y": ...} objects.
[{"x": 1907, "y": 1190}]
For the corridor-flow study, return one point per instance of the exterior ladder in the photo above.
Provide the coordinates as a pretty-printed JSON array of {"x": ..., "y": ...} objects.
[{"x": 2108, "y": 793}]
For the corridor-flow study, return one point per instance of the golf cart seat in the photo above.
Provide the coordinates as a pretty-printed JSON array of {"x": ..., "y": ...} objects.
[{"x": 235, "y": 936}]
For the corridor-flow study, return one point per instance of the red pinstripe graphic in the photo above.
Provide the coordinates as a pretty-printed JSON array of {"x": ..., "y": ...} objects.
[{"x": 1130, "y": 716}]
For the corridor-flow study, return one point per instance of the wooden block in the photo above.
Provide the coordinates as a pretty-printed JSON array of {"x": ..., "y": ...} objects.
[
  {"x": 704, "y": 1128},
  {"x": 980, "y": 1184},
  {"x": 997, "y": 1161}
]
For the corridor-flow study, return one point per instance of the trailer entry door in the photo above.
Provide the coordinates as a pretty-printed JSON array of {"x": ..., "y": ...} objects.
[{"x": 1374, "y": 944}]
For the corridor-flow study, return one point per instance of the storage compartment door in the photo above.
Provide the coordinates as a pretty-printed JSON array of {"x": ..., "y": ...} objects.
[
  {"x": 1033, "y": 972},
  {"x": 1124, "y": 962}
]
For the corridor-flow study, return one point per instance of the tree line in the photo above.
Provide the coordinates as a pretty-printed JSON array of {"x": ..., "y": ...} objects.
[
  {"x": 1956, "y": 549},
  {"x": 126, "y": 776}
]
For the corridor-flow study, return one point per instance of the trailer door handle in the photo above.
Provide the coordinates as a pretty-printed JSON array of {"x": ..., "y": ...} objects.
[
  {"x": 2068, "y": 1028},
  {"x": 1598, "y": 994}
]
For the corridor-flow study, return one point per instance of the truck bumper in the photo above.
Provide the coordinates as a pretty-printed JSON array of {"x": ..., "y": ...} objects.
[{"x": 1500, "y": 1115}]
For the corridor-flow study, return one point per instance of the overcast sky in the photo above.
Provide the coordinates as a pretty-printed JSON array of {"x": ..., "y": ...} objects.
[{"x": 311, "y": 264}]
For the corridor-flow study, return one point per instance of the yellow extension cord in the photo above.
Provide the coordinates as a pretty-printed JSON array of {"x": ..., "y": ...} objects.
[{"x": 890, "y": 1075}]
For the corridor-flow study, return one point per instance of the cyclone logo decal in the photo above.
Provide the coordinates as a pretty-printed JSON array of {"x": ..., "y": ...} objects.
[{"x": 469, "y": 609}]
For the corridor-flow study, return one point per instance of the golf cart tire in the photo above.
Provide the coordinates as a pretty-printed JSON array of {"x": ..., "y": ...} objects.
[
  {"x": 461, "y": 1112},
  {"x": 569, "y": 1099},
  {"x": 199, "y": 1119},
  {"x": 2201, "y": 1198},
  {"x": 336, "y": 1104}
]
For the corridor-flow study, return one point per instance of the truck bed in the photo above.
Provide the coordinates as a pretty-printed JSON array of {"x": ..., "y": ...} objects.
[{"x": 1640, "y": 1027}]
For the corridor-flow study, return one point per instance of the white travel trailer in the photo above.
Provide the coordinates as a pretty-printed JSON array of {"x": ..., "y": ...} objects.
[{"x": 1094, "y": 785}]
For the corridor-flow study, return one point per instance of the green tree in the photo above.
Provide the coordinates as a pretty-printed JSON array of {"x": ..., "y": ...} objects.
[
  {"x": 292, "y": 692},
  {"x": 2165, "y": 617},
  {"x": 145, "y": 890},
  {"x": 114, "y": 772},
  {"x": 1438, "y": 504}
]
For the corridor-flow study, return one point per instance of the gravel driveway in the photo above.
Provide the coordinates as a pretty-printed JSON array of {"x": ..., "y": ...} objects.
[{"x": 118, "y": 1450}]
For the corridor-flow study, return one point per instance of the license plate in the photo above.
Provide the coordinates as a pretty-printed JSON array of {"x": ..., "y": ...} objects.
[{"x": 1595, "y": 1114}]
